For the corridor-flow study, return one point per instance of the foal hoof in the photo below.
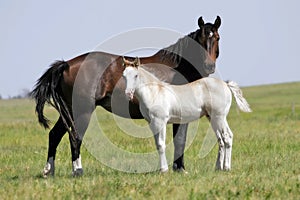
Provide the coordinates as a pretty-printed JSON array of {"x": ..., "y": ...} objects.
[
  {"x": 77, "y": 172},
  {"x": 227, "y": 169},
  {"x": 163, "y": 171},
  {"x": 224, "y": 169}
]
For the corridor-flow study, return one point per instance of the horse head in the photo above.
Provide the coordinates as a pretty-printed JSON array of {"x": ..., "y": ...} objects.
[{"x": 208, "y": 37}]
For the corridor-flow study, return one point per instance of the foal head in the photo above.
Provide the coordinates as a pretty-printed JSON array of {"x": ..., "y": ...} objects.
[
  {"x": 208, "y": 37},
  {"x": 131, "y": 77}
]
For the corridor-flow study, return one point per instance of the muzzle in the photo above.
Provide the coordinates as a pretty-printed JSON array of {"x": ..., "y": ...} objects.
[
  {"x": 210, "y": 63},
  {"x": 129, "y": 93},
  {"x": 210, "y": 67}
]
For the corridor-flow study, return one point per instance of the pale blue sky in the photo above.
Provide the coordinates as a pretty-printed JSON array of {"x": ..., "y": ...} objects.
[{"x": 259, "y": 39}]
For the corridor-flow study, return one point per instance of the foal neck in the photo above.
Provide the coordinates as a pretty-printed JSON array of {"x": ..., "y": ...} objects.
[
  {"x": 147, "y": 86},
  {"x": 147, "y": 77}
]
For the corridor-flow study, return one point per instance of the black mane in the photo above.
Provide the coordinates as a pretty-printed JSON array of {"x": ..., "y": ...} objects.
[
  {"x": 187, "y": 56},
  {"x": 174, "y": 52}
]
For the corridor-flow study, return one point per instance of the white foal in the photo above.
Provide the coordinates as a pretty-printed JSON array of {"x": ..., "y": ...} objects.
[{"x": 162, "y": 103}]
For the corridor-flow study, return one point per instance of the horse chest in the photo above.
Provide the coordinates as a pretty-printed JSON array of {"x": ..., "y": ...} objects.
[{"x": 154, "y": 110}]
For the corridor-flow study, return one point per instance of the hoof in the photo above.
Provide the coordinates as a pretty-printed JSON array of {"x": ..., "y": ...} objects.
[
  {"x": 163, "y": 171},
  {"x": 77, "y": 172},
  {"x": 48, "y": 171},
  {"x": 224, "y": 169},
  {"x": 182, "y": 171},
  {"x": 179, "y": 169},
  {"x": 227, "y": 169}
]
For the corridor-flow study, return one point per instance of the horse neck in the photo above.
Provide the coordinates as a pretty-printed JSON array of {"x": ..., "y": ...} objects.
[
  {"x": 176, "y": 51},
  {"x": 184, "y": 55},
  {"x": 171, "y": 55},
  {"x": 146, "y": 77}
]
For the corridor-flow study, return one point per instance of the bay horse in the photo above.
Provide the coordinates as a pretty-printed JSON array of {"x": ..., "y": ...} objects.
[
  {"x": 75, "y": 87},
  {"x": 162, "y": 103}
]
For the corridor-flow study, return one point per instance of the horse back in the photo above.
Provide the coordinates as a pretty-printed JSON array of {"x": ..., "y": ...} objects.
[{"x": 216, "y": 95}]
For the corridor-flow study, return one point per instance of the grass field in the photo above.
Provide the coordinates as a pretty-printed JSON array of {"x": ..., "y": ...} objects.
[{"x": 265, "y": 158}]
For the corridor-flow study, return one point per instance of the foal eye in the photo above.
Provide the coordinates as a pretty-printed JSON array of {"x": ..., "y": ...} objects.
[{"x": 136, "y": 76}]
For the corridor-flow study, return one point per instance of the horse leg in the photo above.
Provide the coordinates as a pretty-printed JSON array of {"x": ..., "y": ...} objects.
[
  {"x": 55, "y": 136},
  {"x": 228, "y": 140},
  {"x": 75, "y": 144},
  {"x": 179, "y": 140},
  {"x": 158, "y": 128},
  {"x": 81, "y": 124},
  {"x": 217, "y": 124}
]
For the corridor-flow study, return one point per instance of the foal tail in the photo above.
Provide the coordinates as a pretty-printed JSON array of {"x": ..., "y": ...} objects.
[
  {"x": 238, "y": 95},
  {"x": 47, "y": 91}
]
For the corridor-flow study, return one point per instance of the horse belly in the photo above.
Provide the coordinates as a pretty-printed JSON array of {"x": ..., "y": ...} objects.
[
  {"x": 186, "y": 107},
  {"x": 185, "y": 115},
  {"x": 119, "y": 105}
]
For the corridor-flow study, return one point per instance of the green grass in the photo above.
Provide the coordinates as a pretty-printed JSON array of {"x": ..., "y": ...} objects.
[{"x": 265, "y": 158}]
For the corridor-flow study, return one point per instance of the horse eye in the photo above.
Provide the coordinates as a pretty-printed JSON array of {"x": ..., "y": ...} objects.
[{"x": 136, "y": 76}]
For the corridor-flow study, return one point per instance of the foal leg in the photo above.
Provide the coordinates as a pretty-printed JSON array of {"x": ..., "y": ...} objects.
[
  {"x": 217, "y": 124},
  {"x": 228, "y": 140},
  {"x": 158, "y": 128},
  {"x": 179, "y": 140},
  {"x": 55, "y": 136}
]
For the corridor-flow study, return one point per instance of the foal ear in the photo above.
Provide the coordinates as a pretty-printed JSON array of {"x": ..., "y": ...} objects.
[
  {"x": 124, "y": 61},
  {"x": 217, "y": 23},
  {"x": 200, "y": 22},
  {"x": 137, "y": 62}
]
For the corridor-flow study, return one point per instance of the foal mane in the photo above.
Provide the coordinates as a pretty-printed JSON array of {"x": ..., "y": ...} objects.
[
  {"x": 162, "y": 73},
  {"x": 149, "y": 75}
]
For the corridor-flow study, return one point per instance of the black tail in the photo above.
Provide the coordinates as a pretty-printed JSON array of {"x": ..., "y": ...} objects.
[{"x": 47, "y": 90}]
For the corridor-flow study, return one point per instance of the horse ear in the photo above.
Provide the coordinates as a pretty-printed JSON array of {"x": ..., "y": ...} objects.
[
  {"x": 200, "y": 22},
  {"x": 217, "y": 23}
]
